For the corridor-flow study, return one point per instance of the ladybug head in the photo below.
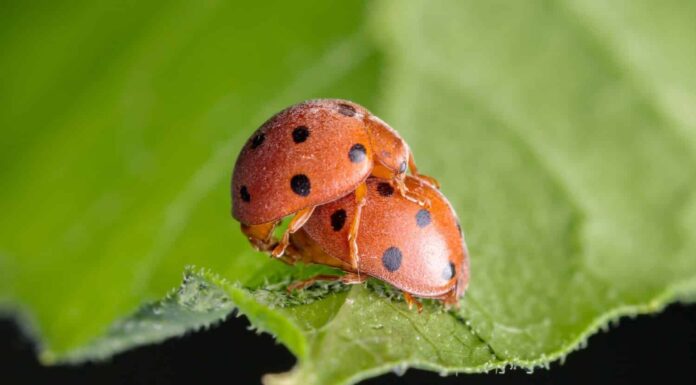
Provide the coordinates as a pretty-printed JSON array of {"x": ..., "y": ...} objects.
[{"x": 390, "y": 150}]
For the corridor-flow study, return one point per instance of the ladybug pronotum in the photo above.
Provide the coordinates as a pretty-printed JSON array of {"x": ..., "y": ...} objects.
[
  {"x": 310, "y": 154},
  {"x": 417, "y": 250}
]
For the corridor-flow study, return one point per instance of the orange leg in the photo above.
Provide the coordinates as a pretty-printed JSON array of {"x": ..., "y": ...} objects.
[
  {"x": 423, "y": 178},
  {"x": 348, "y": 279},
  {"x": 404, "y": 192},
  {"x": 297, "y": 221},
  {"x": 451, "y": 300},
  {"x": 291, "y": 255},
  {"x": 412, "y": 301},
  {"x": 427, "y": 180},
  {"x": 360, "y": 200},
  {"x": 260, "y": 236}
]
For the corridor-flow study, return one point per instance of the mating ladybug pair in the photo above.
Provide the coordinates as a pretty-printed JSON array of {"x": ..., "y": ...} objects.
[{"x": 341, "y": 173}]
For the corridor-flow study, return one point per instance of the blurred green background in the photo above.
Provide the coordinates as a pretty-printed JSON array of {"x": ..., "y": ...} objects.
[
  {"x": 121, "y": 122},
  {"x": 563, "y": 132}
]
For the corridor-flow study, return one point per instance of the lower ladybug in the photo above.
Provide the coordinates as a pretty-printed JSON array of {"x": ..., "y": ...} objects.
[
  {"x": 310, "y": 154},
  {"x": 419, "y": 251}
]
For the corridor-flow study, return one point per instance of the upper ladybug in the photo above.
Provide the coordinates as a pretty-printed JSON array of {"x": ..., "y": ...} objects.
[
  {"x": 309, "y": 154},
  {"x": 420, "y": 251}
]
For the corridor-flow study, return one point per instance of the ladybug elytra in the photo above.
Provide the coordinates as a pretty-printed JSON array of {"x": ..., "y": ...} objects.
[
  {"x": 417, "y": 250},
  {"x": 310, "y": 154}
]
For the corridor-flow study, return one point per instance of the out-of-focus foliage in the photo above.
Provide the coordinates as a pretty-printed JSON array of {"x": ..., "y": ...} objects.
[{"x": 563, "y": 133}]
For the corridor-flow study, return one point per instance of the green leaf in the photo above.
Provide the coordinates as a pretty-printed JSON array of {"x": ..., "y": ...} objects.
[
  {"x": 562, "y": 132},
  {"x": 197, "y": 303}
]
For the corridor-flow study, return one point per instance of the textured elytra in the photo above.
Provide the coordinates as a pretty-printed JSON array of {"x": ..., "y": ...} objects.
[
  {"x": 357, "y": 153},
  {"x": 338, "y": 219},
  {"x": 301, "y": 185},
  {"x": 449, "y": 272},
  {"x": 257, "y": 140},
  {"x": 391, "y": 259},
  {"x": 385, "y": 189},
  {"x": 392, "y": 245},
  {"x": 346, "y": 109},
  {"x": 297, "y": 163},
  {"x": 244, "y": 194},
  {"x": 423, "y": 218},
  {"x": 300, "y": 134}
]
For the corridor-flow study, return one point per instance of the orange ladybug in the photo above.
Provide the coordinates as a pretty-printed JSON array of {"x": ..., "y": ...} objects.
[
  {"x": 310, "y": 154},
  {"x": 419, "y": 251}
]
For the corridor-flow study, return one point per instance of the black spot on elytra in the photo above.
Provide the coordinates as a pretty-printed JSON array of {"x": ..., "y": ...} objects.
[
  {"x": 391, "y": 259},
  {"x": 257, "y": 140},
  {"x": 244, "y": 194},
  {"x": 402, "y": 167},
  {"x": 300, "y": 134},
  {"x": 448, "y": 272},
  {"x": 357, "y": 153},
  {"x": 346, "y": 110},
  {"x": 385, "y": 189},
  {"x": 423, "y": 218},
  {"x": 338, "y": 219},
  {"x": 300, "y": 185},
  {"x": 459, "y": 227}
]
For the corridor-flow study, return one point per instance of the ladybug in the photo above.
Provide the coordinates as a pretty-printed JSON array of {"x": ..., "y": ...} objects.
[
  {"x": 310, "y": 154},
  {"x": 417, "y": 250}
]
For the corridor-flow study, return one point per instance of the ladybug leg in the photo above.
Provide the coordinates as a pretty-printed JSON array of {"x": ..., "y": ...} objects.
[
  {"x": 412, "y": 301},
  {"x": 360, "y": 200},
  {"x": 260, "y": 236},
  {"x": 427, "y": 180},
  {"x": 451, "y": 300},
  {"x": 299, "y": 285},
  {"x": 353, "y": 278},
  {"x": 422, "y": 178},
  {"x": 297, "y": 221},
  {"x": 348, "y": 279},
  {"x": 291, "y": 255},
  {"x": 404, "y": 192}
]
